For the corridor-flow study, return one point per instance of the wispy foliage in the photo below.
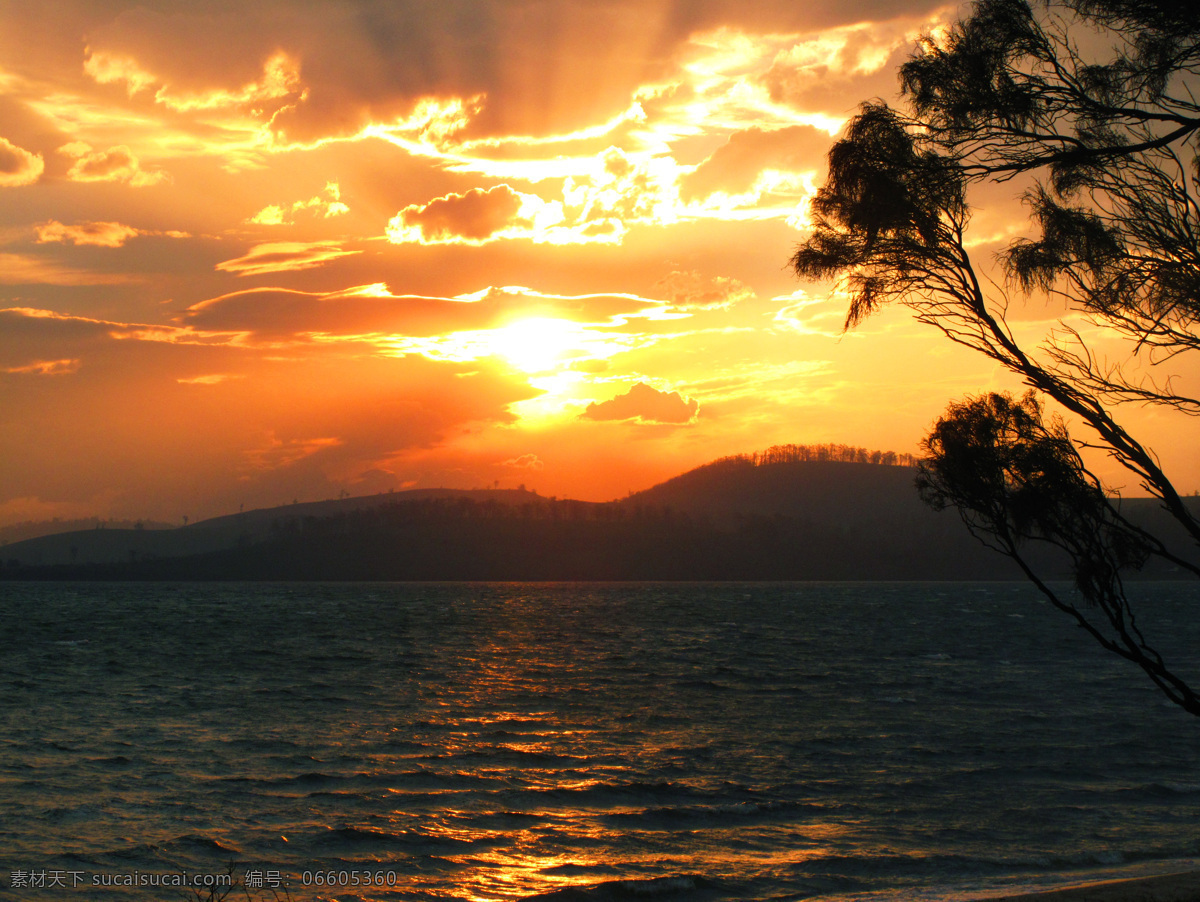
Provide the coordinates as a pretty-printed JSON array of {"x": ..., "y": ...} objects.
[{"x": 1110, "y": 139}]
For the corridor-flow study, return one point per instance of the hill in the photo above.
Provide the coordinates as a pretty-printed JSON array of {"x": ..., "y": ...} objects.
[
  {"x": 842, "y": 492},
  {"x": 32, "y": 529},
  {"x": 106, "y": 543},
  {"x": 776, "y": 515}
]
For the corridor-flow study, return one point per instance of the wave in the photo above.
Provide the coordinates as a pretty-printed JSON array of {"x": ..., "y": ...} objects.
[
  {"x": 363, "y": 840},
  {"x": 691, "y": 817},
  {"x": 691, "y": 888},
  {"x": 605, "y": 795},
  {"x": 187, "y": 844},
  {"x": 402, "y": 781},
  {"x": 938, "y": 866}
]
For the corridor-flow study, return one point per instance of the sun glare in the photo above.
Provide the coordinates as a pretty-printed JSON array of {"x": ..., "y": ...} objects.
[{"x": 537, "y": 344}]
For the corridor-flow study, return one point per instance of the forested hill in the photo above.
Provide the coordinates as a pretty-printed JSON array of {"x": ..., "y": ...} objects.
[
  {"x": 791, "y": 513},
  {"x": 837, "y": 484}
]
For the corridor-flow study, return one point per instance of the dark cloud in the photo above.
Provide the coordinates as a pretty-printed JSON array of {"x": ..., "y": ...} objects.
[{"x": 646, "y": 404}]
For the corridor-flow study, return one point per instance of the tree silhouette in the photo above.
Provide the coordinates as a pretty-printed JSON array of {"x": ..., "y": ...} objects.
[
  {"x": 1108, "y": 142},
  {"x": 1016, "y": 480}
]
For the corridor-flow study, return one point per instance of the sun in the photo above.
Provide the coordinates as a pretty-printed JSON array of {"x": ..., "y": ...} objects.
[{"x": 539, "y": 344}]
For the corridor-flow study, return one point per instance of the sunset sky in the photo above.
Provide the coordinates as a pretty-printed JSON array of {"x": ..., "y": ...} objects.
[{"x": 262, "y": 251}]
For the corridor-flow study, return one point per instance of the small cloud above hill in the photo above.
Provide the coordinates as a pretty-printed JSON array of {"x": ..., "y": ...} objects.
[{"x": 646, "y": 404}]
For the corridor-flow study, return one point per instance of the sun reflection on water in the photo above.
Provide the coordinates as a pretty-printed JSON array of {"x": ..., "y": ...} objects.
[{"x": 554, "y": 775}]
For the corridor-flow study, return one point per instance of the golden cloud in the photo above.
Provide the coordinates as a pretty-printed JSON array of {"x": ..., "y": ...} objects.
[
  {"x": 737, "y": 165},
  {"x": 691, "y": 291},
  {"x": 18, "y": 166},
  {"x": 813, "y": 316},
  {"x": 546, "y": 68},
  {"x": 42, "y": 342},
  {"x": 117, "y": 164},
  {"x": 209, "y": 379},
  {"x": 645, "y": 404},
  {"x": 818, "y": 69},
  {"x": 275, "y": 453},
  {"x": 476, "y": 217},
  {"x": 110, "y": 68},
  {"x": 328, "y": 206},
  {"x": 61, "y": 367},
  {"x": 22, "y": 269},
  {"x": 99, "y": 234},
  {"x": 525, "y": 462},
  {"x": 280, "y": 79},
  {"x": 371, "y": 312},
  {"x": 284, "y": 256},
  {"x": 272, "y": 214}
]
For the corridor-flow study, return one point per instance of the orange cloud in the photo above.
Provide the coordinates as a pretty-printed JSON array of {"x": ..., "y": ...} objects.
[
  {"x": 280, "y": 79},
  {"x": 822, "y": 69},
  {"x": 813, "y": 316},
  {"x": 18, "y": 166},
  {"x": 525, "y": 462},
  {"x": 22, "y": 269},
  {"x": 646, "y": 404},
  {"x": 691, "y": 291},
  {"x": 371, "y": 311},
  {"x": 99, "y": 234},
  {"x": 44, "y": 343},
  {"x": 474, "y": 216},
  {"x": 479, "y": 216},
  {"x": 276, "y": 453},
  {"x": 284, "y": 256},
  {"x": 110, "y": 68},
  {"x": 209, "y": 379},
  {"x": 736, "y": 165},
  {"x": 117, "y": 164},
  {"x": 329, "y": 206},
  {"x": 29, "y": 335},
  {"x": 46, "y": 367}
]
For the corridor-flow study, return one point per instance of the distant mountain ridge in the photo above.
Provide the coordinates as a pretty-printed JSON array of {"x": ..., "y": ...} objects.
[
  {"x": 32, "y": 529},
  {"x": 105, "y": 543},
  {"x": 793, "y": 512}
]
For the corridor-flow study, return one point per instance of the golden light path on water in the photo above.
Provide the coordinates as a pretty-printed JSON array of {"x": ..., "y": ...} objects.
[{"x": 560, "y": 758}]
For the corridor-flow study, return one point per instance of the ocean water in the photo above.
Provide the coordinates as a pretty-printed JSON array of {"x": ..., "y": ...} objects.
[{"x": 503, "y": 741}]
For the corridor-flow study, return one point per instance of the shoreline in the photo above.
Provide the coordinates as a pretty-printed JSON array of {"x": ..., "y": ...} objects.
[
  {"x": 1182, "y": 886},
  {"x": 1174, "y": 880}
]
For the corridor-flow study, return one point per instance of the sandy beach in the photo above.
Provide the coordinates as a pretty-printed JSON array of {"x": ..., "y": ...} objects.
[{"x": 1184, "y": 887}]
